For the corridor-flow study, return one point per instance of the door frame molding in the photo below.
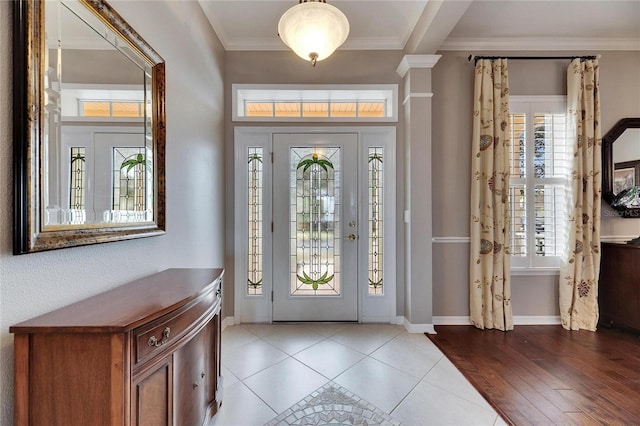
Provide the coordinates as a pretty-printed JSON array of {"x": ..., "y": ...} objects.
[{"x": 259, "y": 309}]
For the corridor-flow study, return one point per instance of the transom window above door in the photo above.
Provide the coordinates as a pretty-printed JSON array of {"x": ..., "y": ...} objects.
[{"x": 354, "y": 103}]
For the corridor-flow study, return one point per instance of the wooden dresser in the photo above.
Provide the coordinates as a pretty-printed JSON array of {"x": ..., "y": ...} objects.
[
  {"x": 619, "y": 286},
  {"x": 146, "y": 353}
]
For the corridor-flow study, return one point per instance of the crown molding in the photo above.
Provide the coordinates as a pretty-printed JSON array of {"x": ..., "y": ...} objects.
[
  {"x": 523, "y": 44},
  {"x": 416, "y": 61}
]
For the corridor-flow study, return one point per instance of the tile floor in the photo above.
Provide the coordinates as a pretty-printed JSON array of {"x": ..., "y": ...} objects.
[{"x": 285, "y": 374}]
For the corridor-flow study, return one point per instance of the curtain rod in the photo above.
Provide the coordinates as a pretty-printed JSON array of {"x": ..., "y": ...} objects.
[{"x": 475, "y": 58}]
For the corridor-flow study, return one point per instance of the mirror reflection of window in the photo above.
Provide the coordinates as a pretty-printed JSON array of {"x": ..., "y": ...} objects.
[
  {"x": 77, "y": 184},
  {"x": 130, "y": 109},
  {"x": 129, "y": 176}
]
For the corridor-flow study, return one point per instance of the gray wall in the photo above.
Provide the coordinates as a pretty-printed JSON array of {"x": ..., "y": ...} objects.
[
  {"x": 37, "y": 283},
  {"x": 452, "y": 107},
  {"x": 284, "y": 67},
  {"x": 98, "y": 67}
]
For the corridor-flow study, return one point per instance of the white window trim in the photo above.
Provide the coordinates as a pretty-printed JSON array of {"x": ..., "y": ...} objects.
[
  {"x": 543, "y": 103},
  {"x": 73, "y": 93},
  {"x": 317, "y": 93},
  {"x": 534, "y": 271}
]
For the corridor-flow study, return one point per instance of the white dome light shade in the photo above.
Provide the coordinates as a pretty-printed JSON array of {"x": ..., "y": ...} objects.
[{"x": 313, "y": 30}]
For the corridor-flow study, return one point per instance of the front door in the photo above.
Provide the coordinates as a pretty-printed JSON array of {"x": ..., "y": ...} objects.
[{"x": 315, "y": 234}]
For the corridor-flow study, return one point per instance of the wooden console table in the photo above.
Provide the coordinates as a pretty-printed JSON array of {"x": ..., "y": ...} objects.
[
  {"x": 146, "y": 353},
  {"x": 619, "y": 286}
]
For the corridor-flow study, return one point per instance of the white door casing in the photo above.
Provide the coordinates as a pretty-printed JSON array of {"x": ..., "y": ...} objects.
[{"x": 255, "y": 304}]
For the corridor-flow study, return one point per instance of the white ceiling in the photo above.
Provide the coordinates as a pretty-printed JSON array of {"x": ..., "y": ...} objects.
[{"x": 425, "y": 26}]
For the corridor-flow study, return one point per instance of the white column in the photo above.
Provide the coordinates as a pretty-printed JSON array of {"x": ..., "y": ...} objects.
[{"x": 416, "y": 72}]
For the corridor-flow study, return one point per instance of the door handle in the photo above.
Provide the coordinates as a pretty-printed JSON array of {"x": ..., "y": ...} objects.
[{"x": 351, "y": 237}]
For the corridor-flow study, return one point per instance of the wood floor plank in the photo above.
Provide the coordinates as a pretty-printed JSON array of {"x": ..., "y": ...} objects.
[
  {"x": 617, "y": 403},
  {"x": 548, "y": 375},
  {"x": 551, "y": 405},
  {"x": 582, "y": 419},
  {"x": 542, "y": 381}
]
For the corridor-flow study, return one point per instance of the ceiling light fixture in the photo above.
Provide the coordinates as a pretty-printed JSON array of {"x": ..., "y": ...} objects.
[{"x": 313, "y": 29}]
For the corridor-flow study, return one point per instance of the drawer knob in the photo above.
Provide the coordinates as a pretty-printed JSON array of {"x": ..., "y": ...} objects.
[{"x": 153, "y": 340}]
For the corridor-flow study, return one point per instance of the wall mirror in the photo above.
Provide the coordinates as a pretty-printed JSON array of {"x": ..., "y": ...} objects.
[
  {"x": 621, "y": 167},
  {"x": 89, "y": 127}
]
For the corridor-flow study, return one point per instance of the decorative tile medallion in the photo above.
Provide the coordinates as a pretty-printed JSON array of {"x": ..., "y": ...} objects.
[{"x": 333, "y": 405}]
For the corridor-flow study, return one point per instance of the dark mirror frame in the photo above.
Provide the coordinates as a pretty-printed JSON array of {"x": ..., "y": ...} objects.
[
  {"x": 608, "y": 167},
  {"x": 28, "y": 83}
]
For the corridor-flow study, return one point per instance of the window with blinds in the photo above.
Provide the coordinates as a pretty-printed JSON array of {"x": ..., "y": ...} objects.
[{"x": 539, "y": 166}]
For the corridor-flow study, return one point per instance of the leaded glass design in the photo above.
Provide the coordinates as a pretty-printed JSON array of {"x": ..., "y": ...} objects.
[
  {"x": 375, "y": 216},
  {"x": 254, "y": 225},
  {"x": 77, "y": 178},
  {"x": 314, "y": 220},
  {"x": 129, "y": 177}
]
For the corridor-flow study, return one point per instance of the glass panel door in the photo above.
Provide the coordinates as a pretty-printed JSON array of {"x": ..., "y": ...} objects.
[
  {"x": 315, "y": 221},
  {"x": 315, "y": 229}
]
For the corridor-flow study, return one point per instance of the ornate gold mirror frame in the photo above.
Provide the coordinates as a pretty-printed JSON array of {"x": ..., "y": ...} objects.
[{"x": 31, "y": 232}]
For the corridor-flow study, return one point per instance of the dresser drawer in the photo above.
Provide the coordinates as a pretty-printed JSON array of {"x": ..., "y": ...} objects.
[{"x": 159, "y": 336}]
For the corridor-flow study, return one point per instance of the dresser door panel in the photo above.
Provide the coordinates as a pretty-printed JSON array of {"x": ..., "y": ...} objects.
[
  {"x": 191, "y": 373},
  {"x": 153, "y": 397}
]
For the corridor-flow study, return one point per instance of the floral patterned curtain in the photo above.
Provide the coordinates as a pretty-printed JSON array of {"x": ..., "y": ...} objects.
[
  {"x": 581, "y": 263},
  {"x": 490, "y": 281}
]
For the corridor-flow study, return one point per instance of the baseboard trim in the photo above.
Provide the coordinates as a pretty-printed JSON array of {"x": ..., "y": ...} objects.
[
  {"x": 418, "y": 328},
  {"x": 446, "y": 320},
  {"x": 227, "y": 321},
  {"x": 451, "y": 320},
  {"x": 517, "y": 320},
  {"x": 536, "y": 320},
  {"x": 371, "y": 319}
]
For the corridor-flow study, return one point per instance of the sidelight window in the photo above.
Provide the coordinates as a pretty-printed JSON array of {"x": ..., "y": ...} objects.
[{"x": 255, "y": 221}]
